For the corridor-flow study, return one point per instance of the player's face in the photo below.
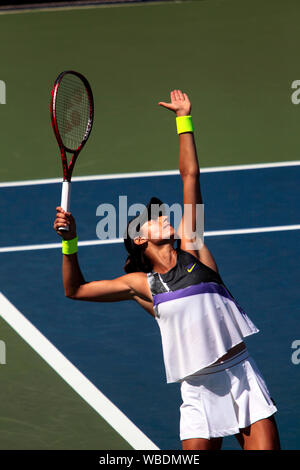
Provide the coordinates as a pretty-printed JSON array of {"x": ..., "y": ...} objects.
[{"x": 158, "y": 229}]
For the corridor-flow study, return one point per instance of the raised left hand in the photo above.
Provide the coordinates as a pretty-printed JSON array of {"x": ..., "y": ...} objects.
[{"x": 180, "y": 103}]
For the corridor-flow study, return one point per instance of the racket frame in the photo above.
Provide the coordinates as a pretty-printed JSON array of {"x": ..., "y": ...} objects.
[{"x": 68, "y": 168}]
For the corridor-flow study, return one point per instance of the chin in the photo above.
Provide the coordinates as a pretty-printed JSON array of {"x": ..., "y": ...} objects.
[
  {"x": 171, "y": 233},
  {"x": 169, "y": 236}
]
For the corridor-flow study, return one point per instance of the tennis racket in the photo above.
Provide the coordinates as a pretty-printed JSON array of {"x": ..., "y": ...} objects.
[{"x": 72, "y": 115}]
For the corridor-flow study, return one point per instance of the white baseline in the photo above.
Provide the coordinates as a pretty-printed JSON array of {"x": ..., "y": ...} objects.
[
  {"x": 99, "y": 402},
  {"x": 148, "y": 174},
  {"x": 216, "y": 233}
]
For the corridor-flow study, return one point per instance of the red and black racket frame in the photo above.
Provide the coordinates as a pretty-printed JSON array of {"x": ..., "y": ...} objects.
[{"x": 68, "y": 168}]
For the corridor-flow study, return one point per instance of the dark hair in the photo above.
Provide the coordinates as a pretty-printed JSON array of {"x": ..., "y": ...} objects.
[{"x": 137, "y": 261}]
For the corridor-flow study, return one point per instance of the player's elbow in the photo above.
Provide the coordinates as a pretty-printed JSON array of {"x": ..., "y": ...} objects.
[
  {"x": 71, "y": 294},
  {"x": 191, "y": 172}
]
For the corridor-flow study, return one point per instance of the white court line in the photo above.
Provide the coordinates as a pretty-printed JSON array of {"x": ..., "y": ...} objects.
[
  {"x": 68, "y": 8},
  {"x": 145, "y": 174},
  {"x": 215, "y": 233},
  {"x": 99, "y": 402}
]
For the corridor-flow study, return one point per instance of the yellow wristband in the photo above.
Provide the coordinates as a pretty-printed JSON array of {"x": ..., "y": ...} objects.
[
  {"x": 69, "y": 247},
  {"x": 184, "y": 124}
]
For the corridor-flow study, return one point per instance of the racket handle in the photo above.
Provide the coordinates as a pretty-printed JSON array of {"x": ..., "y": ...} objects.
[{"x": 65, "y": 199}]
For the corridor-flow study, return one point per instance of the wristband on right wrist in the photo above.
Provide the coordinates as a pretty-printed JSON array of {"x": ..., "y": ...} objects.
[
  {"x": 184, "y": 124},
  {"x": 69, "y": 247}
]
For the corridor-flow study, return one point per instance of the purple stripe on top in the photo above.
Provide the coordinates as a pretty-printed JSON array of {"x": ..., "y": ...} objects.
[{"x": 202, "y": 288}]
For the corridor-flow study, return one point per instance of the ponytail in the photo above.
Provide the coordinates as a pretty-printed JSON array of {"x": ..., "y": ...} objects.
[{"x": 137, "y": 262}]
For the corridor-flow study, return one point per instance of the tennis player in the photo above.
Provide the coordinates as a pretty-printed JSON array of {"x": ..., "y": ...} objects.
[{"x": 202, "y": 326}]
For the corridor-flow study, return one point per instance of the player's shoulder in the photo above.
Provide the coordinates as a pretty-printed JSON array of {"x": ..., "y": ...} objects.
[
  {"x": 138, "y": 284},
  {"x": 203, "y": 255},
  {"x": 135, "y": 278},
  {"x": 135, "y": 275}
]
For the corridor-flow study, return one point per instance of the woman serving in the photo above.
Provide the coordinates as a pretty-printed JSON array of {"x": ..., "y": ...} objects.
[{"x": 201, "y": 324}]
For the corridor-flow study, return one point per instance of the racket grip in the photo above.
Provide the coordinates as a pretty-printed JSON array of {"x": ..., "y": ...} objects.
[{"x": 65, "y": 199}]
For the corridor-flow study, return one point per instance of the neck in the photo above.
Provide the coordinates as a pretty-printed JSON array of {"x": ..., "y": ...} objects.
[{"x": 163, "y": 257}]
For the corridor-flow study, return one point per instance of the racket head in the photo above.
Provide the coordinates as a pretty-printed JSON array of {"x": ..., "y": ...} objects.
[{"x": 72, "y": 114}]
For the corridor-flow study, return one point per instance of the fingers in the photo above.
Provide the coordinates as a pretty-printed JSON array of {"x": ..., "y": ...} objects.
[
  {"x": 162, "y": 103},
  {"x": 177, "y": 95},
  {"x": 167, "y": 105},
  {"x": 180, "y": 103},
  {"x": 60, "y": 211},
  {"x": 187, "y": 100},
  {"x": 63, "y": 219},
  {"x": 60, "y": 222}
]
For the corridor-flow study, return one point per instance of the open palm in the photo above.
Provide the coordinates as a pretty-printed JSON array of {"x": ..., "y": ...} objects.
[{"x": 180, "y": 103}]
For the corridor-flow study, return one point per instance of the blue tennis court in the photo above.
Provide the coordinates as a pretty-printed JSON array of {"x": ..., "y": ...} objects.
[{"x": 117, "y": 345}]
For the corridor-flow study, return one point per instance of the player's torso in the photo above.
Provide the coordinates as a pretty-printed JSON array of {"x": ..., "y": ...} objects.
[{"x": 188, "y": 271}]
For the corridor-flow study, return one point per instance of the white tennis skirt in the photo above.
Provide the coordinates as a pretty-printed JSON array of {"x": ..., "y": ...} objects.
[{"x": 220, "y": 400}]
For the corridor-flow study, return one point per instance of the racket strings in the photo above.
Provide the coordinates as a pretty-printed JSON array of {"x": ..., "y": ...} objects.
[{"x": 73, "y": 111}]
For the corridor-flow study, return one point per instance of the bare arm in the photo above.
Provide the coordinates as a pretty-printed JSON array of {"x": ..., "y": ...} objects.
[
  {"x": 96, "y": 291},
  {"x": 190, "y": 175},
  {"x": 128, "y": 287}
]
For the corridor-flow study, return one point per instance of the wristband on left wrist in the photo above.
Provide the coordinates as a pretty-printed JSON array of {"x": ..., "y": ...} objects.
[{"x": 184, "y": 124}]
